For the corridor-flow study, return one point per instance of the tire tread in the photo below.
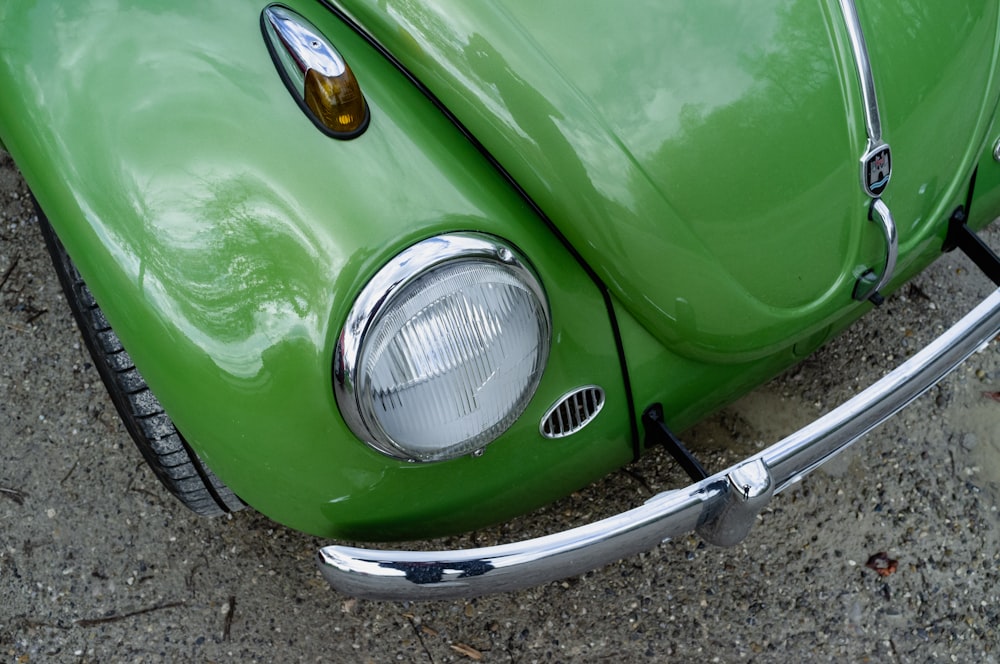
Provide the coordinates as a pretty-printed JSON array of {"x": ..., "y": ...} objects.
[{"x": 172, "y": 460}]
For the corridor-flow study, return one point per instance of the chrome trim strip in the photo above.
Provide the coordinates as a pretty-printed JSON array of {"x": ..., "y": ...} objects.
[
  {"x": 875, "y": 148},
  {"x": 873, "y": 122},
  {"x": 891, "y": 242},
  {"x": 888, "y": 226},
  {"x": 465, "y": 573}
]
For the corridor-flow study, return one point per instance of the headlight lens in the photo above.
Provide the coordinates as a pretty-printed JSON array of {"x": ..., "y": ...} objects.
[{"x": 443, "y": 349}]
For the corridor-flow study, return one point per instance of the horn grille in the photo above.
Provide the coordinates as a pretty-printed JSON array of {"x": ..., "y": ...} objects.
[{"x": 573, "y": 412}]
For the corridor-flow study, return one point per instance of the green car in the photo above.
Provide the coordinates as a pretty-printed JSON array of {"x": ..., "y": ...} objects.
[{"x": 402, "y": 268}]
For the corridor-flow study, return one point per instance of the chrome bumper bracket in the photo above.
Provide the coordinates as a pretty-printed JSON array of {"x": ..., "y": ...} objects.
[
  {"x": 962, "y": 237},
  {"x": 658, "y": 433},
  {"x": 747, "y": 491},
  {"x": 743, "y": 493}
]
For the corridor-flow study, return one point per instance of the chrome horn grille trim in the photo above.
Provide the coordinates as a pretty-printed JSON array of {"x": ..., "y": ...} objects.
[{"x": 572, "y": 412}]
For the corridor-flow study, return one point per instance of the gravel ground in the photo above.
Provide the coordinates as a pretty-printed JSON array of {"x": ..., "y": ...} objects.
[{"x": 98, "y": 564}]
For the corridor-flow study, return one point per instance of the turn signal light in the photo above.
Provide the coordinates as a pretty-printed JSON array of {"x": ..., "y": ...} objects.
[
  {"x": 315, "y": 73},
  {"x": 336, "y": 101}
]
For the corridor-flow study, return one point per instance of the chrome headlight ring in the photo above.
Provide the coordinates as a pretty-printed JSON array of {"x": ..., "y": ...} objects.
[{"x": 443, "y": 348}]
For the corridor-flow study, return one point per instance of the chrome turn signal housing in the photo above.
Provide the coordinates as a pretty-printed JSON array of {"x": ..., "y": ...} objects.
[
  {"x": 315, "y": 73},
  {"x": 443, "y": 348}
]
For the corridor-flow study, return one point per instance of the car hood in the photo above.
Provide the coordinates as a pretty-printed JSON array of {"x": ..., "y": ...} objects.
[{"x": 705, "y": 161}]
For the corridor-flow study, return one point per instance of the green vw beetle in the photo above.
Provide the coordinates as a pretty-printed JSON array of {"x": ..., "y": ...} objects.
[{"x": 402, "y": 268}]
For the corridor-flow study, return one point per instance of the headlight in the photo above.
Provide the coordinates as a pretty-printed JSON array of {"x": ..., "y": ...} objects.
[{"x": 443, "y": 349}]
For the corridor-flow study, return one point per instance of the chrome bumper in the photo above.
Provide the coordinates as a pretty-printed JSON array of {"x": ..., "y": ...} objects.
[{"x": 722, "y": 508}]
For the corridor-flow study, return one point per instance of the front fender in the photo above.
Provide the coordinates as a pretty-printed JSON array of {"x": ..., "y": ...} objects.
[{"x": 226, "y": 238}]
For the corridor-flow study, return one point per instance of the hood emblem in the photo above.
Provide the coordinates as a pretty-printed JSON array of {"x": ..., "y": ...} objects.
[{"x": 876, "y": 168}]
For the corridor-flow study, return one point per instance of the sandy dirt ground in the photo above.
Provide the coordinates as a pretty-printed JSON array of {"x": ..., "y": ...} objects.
[{"x": 98, "y": 564}]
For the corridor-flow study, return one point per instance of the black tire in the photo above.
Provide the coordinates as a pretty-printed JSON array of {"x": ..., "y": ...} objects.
[{"x": 170, "y": 457}]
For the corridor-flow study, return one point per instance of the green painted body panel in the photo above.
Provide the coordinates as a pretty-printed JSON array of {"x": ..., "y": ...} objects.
[
  {"x": 704, "y": 161},
  {"x": 226, "y": 238}
]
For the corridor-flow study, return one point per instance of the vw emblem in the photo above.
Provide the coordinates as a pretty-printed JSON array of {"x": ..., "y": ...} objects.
[{"x": 876, "y": 168}]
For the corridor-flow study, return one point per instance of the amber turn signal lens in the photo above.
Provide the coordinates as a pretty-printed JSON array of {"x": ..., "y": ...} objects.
[{"x": 336, "y": 100}]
